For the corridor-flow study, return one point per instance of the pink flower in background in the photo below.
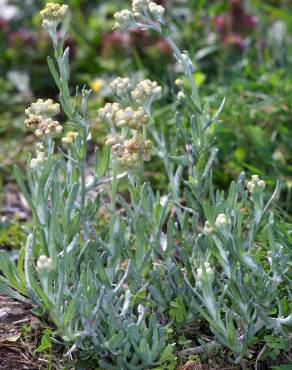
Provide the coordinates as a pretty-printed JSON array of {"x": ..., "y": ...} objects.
[
  {"x": 250, "y": 20},
  {"x": 234, "y": 40},
  {"x": 116, "y": 39},
  {"x": 235, "y": 25},
  {"x": 220, "y": 22},
  {"x": 162, "y": 46},
  {"x": 3, "y": 24},
  {"x": 23, "y": 35}
]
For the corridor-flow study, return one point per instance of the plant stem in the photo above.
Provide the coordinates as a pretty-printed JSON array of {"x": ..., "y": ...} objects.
[
  {"x": 83, "y": 125},
  {"x": 187, "y": 69}
]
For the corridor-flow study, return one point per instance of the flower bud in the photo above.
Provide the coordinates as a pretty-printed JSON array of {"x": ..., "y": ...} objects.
[
  {"x": 45, "y": 108},
  {"x": 179, "y": 83},
  {"x": 222, "y": 221},
  {"x": 44, "y": 263},
  {"x": 69, "y": 138},
  {"x": 146, "y": 90},
  {"x": 209, "y": 273},
  {"x": 108, "y": 112},
  {"x": 40, "y": 159},
  {"x": 255, "y": 182},
  {"x": 181, "y": 96},
  {"x": 200, "y": 273},
  {"x": 39, "y": 117},
  {"x": 208, "y": 228},
  {"x": 139, "y": 7},
  {"x": 157, "y": 11},
  {"x": 121, "y": 86},
  {"x": 123, "y": 19},
  {"x": 54, "y": 12}
]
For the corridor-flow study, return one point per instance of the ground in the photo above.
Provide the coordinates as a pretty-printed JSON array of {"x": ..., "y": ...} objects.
[{"x": 16, "y": 351}]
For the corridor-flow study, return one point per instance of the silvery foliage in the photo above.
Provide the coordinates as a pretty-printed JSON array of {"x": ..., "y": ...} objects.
[
  {"x": 250, "y": 253},
  {"x": 229, "y": 273},
  {"x": 85, "y": 280}
]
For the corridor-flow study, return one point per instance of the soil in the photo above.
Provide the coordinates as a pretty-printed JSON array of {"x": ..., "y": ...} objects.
[
  {"x": 16, "y": 348},
  {"x": 13, "y": 203}
]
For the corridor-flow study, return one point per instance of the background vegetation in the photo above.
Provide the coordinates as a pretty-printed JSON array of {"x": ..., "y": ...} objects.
[{"x": 242, "y": 50}]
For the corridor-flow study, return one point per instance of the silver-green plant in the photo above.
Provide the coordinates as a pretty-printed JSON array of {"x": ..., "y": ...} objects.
[
  {"x": 83, "y": 278},
  {"x": 192, "y": 249},
  {"x": 238, "y": 269},
  {"x": 232, "y": 262}
]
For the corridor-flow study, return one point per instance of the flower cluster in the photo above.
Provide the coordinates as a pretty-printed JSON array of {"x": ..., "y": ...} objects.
[
  {"x": 209, "y": 271},
  {"x": 133, "y": 148},
  {"x": 181, "y": 96},
  {"x": 123, "y": 19},
  {"x": 114, "y": 114},
  {"x": 156, "y": 10},
  {"x": 40, "y": 158},
  {"x": 39, "y": 116},
  {"x": 107, "y": 113},
  {"x": 146, "y": 91},
  {"x": 143, "y": 94},
  {"x": 255, "y": 182},
  {"x": 131, "y": 118},
  {"x": 69, "y": 138},
  {"x": 43, "y": 108},
  {"x": 140, "y": 6},
  {"x": 44, "y": 263},
  {"x": 128, "y": 152},
  {"x": 54, "y": 12},
  {"x": 141, "y": 9},
  {"x": 121, "y": 86},
  {"x": 222, "y": 221}
]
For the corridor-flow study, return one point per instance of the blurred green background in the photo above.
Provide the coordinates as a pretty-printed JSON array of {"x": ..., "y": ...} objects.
[{"x": 241, "y": 50}]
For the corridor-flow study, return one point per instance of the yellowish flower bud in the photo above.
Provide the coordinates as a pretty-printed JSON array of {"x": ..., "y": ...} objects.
[
  {"x": 179, "y": 82},
  {"x": 54, "y": 12},
  {"x": 69, "y": 138}
]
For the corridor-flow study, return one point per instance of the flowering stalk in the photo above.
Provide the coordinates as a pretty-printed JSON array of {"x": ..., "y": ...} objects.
[
  {"x": 150, "y": 16},
  {"x": 228, "y": 238},
  {"x": 80, "y": 277},
  {"x": 204, "y": 266},
  {"x": 53, "y": 16}
]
